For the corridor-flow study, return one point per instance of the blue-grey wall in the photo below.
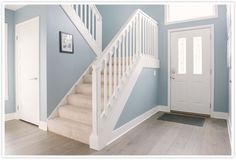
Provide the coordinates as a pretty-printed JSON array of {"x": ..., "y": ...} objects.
[
  {"x": 142, "y": 98},
  {"x": 10, "y": 20},
  {"x": 114, "y": 16},
  {"x": 63, "y": 70}
]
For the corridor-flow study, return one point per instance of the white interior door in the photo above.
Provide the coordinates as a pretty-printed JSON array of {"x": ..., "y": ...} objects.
[
  {"x": 27, "y": 67},
  {"x": 190, "y": 70}
]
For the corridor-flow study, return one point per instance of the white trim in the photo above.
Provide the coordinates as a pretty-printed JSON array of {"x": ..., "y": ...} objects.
[
  {"x": 166, "y": 22},
  {"x": 16, "y": 69},
  {"x": 5, "y": 62},
  {"x": 43, "y": 125},
  {"x": 10, "y": 116},
  {"x": 164, "y": 108},
  {"x": 229, "y": 131},
  {"x": 80, "y": 26},
  {"x": 132, "y": 124},
  {"x": 72, "y": 90},
  {"x": 220, "y": 115},
  {"x": 211, "y": 27}
]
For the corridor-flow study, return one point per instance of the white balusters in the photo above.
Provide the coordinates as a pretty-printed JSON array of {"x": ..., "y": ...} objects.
[
  {"x": 92, "y": 21},
  {"x": 89, "y": 18},
  {"x": 119, "y": 62},
  {"x": 110, "y": 71},
  {"x": 123, "y": 56},
  {"x": 137, "y": 38},
  {"x": 105, "y": 86},
  {"x": 115, "y": 70},
  {"x": 126, "y": 50},
  {"x": 110, "y": 74},
  {"x": 130, "y": 44}
]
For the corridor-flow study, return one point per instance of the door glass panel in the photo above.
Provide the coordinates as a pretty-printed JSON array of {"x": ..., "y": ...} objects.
[
  {"x": 197, "y": 55},
  {"x": 181, "y": 55}
]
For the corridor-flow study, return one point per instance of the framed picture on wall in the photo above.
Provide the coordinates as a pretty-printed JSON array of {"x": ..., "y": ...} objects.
[{"x": 66, "y": 42}]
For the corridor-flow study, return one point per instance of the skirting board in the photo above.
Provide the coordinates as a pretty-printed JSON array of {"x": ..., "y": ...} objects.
[
  {"x": 133, "y": 123},
  {"x": 229, "y": 131},
  {"x": 43, "y": 125},
  {"x": 220, "y": 115},
  {"x": 10, "y": 116},
  {"x": 164, "y": 108}
]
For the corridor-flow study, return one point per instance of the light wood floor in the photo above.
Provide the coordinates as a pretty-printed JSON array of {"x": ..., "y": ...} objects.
[{"x": 152, "y": 137}]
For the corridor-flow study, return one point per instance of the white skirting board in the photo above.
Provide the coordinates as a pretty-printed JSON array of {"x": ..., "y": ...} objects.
[
  {"x": 229, "y": 131},
  {"x": 10, "y": 116},
  {"x": 131, "y": 124},
  {"x": 164, "y": 108},
  {"x": 43, "y": 125},
  {"x": 220, "y": 115}
]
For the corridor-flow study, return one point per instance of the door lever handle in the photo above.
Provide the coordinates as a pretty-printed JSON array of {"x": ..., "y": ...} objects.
[{"x": 35, "y": 78}]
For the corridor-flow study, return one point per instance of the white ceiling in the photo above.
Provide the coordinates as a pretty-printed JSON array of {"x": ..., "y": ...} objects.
[{"x": 14, "y": 7}]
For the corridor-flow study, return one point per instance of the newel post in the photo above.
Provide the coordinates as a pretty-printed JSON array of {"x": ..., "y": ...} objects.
[{"x": 96, "y": 108}]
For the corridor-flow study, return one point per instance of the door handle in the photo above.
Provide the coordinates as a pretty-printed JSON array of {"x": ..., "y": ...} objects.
[
  {"x": 35, "y": 78},
  {"x": 173, "y": 74}
]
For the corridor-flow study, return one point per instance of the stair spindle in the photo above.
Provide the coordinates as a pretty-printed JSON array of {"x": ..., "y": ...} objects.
[{"x": 105, "y": 86}]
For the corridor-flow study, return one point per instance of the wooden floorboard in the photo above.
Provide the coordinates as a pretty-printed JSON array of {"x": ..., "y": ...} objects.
[{"x": 152, "y": 137}]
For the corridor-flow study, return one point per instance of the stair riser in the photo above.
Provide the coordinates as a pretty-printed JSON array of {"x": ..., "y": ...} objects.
[
  {"x": 76, "y": 116},
  {"x": 82, "y": 136},
  {"x": 82, "y": 102},
  {"x": 88, "y": 91}
]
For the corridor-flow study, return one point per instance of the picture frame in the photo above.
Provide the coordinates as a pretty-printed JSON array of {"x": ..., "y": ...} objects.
[{"x": 66, "y": 42}]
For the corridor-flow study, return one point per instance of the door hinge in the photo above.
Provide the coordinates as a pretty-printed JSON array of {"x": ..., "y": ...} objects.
[
  {"x": 210, "y": 71},
  {"x": 16, "y": 37},
  {"x": 17, "y": 107},
  {"x": 210, "y": 105}
]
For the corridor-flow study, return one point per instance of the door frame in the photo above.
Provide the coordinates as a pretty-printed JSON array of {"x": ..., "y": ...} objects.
[
  {"x": 16, "y": 71},
  {"x": 211, "y": 27}
]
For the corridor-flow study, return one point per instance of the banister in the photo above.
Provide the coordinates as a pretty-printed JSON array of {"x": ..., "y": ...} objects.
[{"x": 136, "y": 38}]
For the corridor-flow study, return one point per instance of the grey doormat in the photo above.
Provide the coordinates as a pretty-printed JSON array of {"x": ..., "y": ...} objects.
[{"x": 190, "y": 120}]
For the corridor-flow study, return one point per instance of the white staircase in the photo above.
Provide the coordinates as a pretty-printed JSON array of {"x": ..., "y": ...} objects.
[{"x": 90, "y": 110}]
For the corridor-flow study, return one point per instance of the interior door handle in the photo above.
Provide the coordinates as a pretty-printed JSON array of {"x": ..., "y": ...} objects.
[
  {"x": 172, "y": 74},
  {"x": 35, "y": 78},
  {"x": 172, "y": 77}
]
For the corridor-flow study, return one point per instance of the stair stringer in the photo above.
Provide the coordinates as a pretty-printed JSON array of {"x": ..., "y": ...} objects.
[{"x": 109, "y": 121}]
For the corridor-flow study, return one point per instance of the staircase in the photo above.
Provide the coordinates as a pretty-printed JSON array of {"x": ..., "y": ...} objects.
[{"x": 90, "y": 110}]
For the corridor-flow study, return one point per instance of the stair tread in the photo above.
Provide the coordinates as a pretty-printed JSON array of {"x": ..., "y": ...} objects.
[
  {"x": 81, "y": 95},
  {"x": 76, "y": 108}
]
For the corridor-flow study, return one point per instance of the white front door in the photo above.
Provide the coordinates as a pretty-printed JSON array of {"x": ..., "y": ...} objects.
[
  {"x": 27, "y": 68},
  {"x": 190, "y": 70}
]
